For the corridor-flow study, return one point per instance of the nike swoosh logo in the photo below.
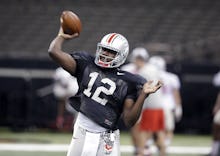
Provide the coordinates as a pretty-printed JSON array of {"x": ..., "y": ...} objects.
[{"x": 118, "y": 73}]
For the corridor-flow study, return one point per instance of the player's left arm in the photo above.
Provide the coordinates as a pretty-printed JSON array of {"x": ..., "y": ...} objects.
[
  {"x": 132, "y": 109},
  {"x": 178, "y": 104},
  {"x": 178, "y": 112},
  {"x": 177, "y": 96}
]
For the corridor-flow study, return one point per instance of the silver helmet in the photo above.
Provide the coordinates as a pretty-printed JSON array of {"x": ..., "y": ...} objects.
[
  {"x": 158, "y": 62},
  {"x": 114, "y": 43}
]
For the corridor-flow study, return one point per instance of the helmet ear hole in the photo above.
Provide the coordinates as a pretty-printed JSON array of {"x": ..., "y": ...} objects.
[{"x": 115, "y": 44}]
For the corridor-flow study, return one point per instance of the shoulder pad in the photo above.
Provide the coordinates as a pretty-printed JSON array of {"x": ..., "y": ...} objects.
[
  {"x": 83, "y": 55},
  {"x": 133, "y": 78}
]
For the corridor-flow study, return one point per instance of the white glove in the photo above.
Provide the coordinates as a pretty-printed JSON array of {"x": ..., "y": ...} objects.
[{"x": 178, "y": 112}]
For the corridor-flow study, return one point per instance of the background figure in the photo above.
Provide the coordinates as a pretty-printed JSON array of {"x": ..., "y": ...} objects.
[
  {"x": 138, "y": 59},
  {"x": 216, "y": 120},
  {"x": 171, "y": 97},
  {"x": 65, "y": 86},
  {"x": 152, "y": 119}
]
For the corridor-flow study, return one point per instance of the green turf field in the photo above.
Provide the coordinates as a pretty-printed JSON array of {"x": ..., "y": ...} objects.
[{"x": 48, "y": 137}]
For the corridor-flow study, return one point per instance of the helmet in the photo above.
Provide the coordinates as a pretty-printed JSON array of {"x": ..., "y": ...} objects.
[
  {"x": 159, "y": 62},
  {"x": 139, "y": 52},
  {"x": 113, "y": 43}
]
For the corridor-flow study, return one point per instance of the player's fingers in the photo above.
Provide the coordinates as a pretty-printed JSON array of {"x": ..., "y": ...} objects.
[
  {"x": 75, "y": 35},
  {"x": 159, "y": 84},
  {"x": 158, "y": 87},
  {"x": 61, "y": 20},
  {"x": 71, "y": 36},
  {"x": 150, "y": 82},
  {"x": 67, "y": 36}
]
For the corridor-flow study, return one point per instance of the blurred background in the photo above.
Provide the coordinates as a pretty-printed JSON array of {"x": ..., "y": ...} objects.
[{"x": 186, "y": 33}]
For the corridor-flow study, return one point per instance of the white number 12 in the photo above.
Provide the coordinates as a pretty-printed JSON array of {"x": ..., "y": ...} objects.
[{"x": 100, "y": 89}]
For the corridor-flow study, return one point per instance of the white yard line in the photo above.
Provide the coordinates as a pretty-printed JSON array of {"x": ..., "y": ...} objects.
[
  {"x": 124, "y": 148},
  {"x": 173, "y": 149}
]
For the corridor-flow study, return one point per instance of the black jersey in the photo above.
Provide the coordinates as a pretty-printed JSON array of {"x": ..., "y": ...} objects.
[{"x": 104, "y": 90}]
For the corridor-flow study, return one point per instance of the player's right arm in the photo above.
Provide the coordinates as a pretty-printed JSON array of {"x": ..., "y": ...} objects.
[
  {"x": 65, "y": 60},
  {"x": 217, "y": 104}
]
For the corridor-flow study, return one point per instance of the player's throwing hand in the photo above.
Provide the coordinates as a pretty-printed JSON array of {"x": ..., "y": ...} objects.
[
  {"x": 67, "y": 36},
  {"x": 149, "y": 87}
]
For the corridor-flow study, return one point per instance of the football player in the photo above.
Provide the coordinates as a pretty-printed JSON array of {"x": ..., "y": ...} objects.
[
  {"x": 106, "y": 93},
  {"x": 65, "y": 86},
  {"x": 171, "y": 97},
  {"x": 215, "y": 151}
]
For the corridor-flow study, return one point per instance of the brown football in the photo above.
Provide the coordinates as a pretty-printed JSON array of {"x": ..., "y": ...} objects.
[{"x": 70, "y": 23}]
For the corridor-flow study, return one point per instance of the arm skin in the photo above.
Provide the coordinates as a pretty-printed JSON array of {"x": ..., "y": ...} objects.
[
  {"x": 217, "y": 104},
  {"x": 177, "y": 97},
  {"x": 62, "y": 58},
  {"x": 132, "y": 109}
]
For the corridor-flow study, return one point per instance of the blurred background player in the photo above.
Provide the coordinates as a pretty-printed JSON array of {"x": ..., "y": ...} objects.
[
  {"x": 171, "y": 97},
  {"x": 65, "y": 86},
  {"x": 138, "y": 59},
  {"x": 152, "y": 119},
  {"x": 215, "y": 151}
]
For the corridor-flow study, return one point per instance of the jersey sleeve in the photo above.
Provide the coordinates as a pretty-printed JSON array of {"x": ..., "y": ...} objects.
[
  {"x": 82, "y": 60},
  {"x": 176, "y": 82},
  {"x": 75, "y": 102},
  {"x": 135, "y": 84}
]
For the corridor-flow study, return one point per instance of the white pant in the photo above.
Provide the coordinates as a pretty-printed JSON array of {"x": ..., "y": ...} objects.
[
  {"x": 85, "y": 143},
  {"x": 169, "y": 119}
]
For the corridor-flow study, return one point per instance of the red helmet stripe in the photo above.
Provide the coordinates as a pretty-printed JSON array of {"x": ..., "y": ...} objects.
[{"x": 111, "y": 37}]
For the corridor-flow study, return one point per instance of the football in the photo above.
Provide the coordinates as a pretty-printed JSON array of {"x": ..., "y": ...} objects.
[{"x": 70, "y": 22}]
